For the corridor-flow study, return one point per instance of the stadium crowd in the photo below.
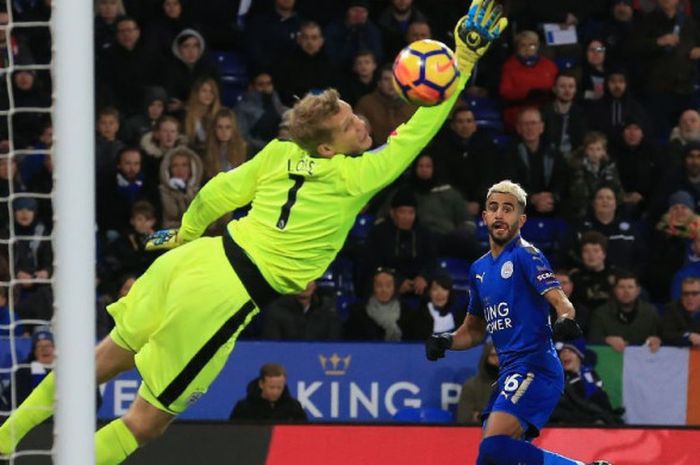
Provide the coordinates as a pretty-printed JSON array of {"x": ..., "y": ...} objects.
[{"x": 603, "y": 133}]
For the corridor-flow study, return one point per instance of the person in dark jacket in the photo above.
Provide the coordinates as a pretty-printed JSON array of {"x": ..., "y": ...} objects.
[
  {"x": 477, "y": 390},
  {"x": 268, "y": 399},
  {"x": 680, "y": 323}
]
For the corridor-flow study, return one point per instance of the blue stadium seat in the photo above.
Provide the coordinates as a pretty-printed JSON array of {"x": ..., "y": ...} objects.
[
  {"x": 566, "y": 63},
  {"x": 344, "y": 271},
  {"x": 363, "y": 225},
  {"x": 501, "y": 141},
  {"x": 484, "y": 108},
  {"x": 343, "y": 302},
  {"x": 482, "y": 236},
  {"x": 234, "y": 75},
  {"x": 461, "y": 298},
  {"x": 493, "y": 125},
  {"x": 546, "y": 234},
  {"x": 327, "y": 279},
  {"x": 457, "y": 269},
  {"x": 423, "y": 415}
]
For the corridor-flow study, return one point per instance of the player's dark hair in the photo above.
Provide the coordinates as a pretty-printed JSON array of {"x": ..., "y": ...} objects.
[
  {"x": 566, "y": 74},
  {"x": 625, "y": 274},
  {"x": 127, "y": 149},
  {"x": 445, "y": 281},
  {"x": 108, "y": 111},
  {"x": 271, "y": 370}
]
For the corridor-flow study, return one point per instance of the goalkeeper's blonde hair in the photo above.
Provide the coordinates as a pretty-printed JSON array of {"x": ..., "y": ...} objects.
[
  {"x": 308, "y": 123},
  {"x": 509, "y": 187}
]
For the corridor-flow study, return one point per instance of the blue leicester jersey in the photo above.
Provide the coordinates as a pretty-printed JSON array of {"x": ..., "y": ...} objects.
[{"x": 508, "y": 292}]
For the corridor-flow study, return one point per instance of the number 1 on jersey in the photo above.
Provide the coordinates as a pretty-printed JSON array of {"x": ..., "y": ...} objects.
[{"x": 291, "y": 199}]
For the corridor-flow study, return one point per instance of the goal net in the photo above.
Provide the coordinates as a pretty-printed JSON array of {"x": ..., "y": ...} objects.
[{"x": 46, "y": 219}]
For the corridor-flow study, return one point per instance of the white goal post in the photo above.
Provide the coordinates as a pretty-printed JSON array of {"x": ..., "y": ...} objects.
[{"x": 74, "y": 230}]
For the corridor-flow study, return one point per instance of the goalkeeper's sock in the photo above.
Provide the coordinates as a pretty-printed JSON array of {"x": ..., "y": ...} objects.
[
  {"x": 34, "y": 410},
  {"x": 503, "y": 450},
  {"x": 114, "y": 443}
]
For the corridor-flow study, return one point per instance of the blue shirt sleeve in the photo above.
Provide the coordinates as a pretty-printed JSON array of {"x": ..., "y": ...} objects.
[
  {"x": 538, "y": 272},
  {"x": 475, "y": 307}
]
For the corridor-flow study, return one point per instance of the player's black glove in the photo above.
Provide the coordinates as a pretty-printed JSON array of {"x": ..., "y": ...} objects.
[
  {"x": 566, "y": 329},
  {"x": 436, "y": 346}
]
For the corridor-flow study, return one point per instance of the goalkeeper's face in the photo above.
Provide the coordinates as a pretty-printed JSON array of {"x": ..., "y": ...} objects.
[
  {"x": 503, "y": 217},
  {"x": 350, "y": 134}
]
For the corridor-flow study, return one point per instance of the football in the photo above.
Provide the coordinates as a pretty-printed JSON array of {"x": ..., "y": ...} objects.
[{"x": 425, "y": 73}]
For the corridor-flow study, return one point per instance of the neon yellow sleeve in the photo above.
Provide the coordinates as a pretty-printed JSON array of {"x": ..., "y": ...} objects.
[
  {"x": 377, "y": 168},
  {"x": 222, "y": 194}
]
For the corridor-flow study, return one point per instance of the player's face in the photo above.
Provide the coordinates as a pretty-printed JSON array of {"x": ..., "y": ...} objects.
[
  {"x": 593, "y": 256},
  {"x": 438, "y": 295},
  {"x": 350, "y": 135},
  {"x": 383, "y": 287},
  {"x": 570, "y": 360},
  {"x": 503, "y": 217},
  {"x": 565, "y": 89},
  {"x": 272, "y": 387},
  {"x": 626, "y": 291}
]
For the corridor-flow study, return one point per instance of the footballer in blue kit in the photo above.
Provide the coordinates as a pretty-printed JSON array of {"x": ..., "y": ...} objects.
[{"x": 511, "y": 290}]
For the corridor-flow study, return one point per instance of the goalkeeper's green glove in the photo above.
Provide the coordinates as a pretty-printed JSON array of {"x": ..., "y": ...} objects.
[
  {"x": 475, "y": 32},
  {"x": 165, "y": 239}
]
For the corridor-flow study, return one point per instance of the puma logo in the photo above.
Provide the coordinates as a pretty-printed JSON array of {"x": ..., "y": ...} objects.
[{"x": 480, "y": 277}]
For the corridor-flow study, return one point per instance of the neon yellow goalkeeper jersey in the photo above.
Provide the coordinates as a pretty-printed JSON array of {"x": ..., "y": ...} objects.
[{"x": 303, "y": 206}]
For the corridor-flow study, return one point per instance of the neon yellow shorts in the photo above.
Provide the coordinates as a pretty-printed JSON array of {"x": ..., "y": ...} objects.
[{"x": 182, "y": 318}]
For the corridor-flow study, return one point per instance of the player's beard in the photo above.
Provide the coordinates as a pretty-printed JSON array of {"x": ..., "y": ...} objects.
[{"x": 512, "y": 231}]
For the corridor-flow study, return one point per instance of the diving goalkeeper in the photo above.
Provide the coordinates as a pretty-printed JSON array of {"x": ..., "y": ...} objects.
[{"x": 180, "y": 320}]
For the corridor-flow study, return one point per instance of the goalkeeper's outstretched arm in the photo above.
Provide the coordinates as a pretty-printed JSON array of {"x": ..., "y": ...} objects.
[{"x": 474, "y": 34}]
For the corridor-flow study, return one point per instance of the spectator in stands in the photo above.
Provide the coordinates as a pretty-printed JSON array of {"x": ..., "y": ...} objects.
[
  {"x": 438, "y": 314},
  {"x": 268, "y": 399},
  {"x": 382, "y": 316},
  {"x": 126, "y": 69},
  {"x": 7, "y": 317},
  {"x": 669, "y": 42},
  {"x": 187, "y": 67},
  {"x": 40, "y": 360},
  {"x": 10, "y": 182},
  {"x": 202, "y": 106},
  {"x": 155, "y": 101},
  {"x": 618, "y": 32},
  {"x": 584, "y": 400},
  {"x": 126, "y": 255},
  {"x": 270, "y": 37},
  {"x": 394, "y": 22},
  {"x": 180, "y": 179},
  {"x": 690, "y": 268},
  {"x": 171, "y": 19},
  {"x": 477, "y": 390},
  {"x": 107, "y": 143},
  {"x": 383, "y": 108},
  {"x": 465, "y": 158},
  {"x": 354, "y": 32},
  {"x": 362, "y": 79},
  {"x": 617, "y": 107},
  {"x": 593, "y": 281},
  {"x": 626, "y": 248},
  {"x": 402, "y": 245},
  {"x": 117, "y": 193},
  {"x": 640, "y": 167},
  {"x": 259, "y": 112},
  {"x": 626, "y": 319},
  {"x": 302, "y": 317},
  {"x": 680, "y": 321},
  {"x": 593, "y": 72},
  {"x": 28, "y": 92},
  {"x": 226, "y": 148},
  {"x": 164, "y": 137},
  {"x": 537, "y": 166},
  {"x": 442, "y": 210},
  {"x": 33, "y": 163},
  {"x": 592, "y": 167},
  {"x": 687, "y": 131},
  {"x": 418, "y": 30},
  {"x": 676, "y": 229},
  {"x": 564, "y": 120},
  {"x": 526, "y": 78},
  {"x": 307, "y": 68},
  {"x": 684, "y": 177},
  {"x": 105, "y": 30},
  {"x": 583, "y": 313}
]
